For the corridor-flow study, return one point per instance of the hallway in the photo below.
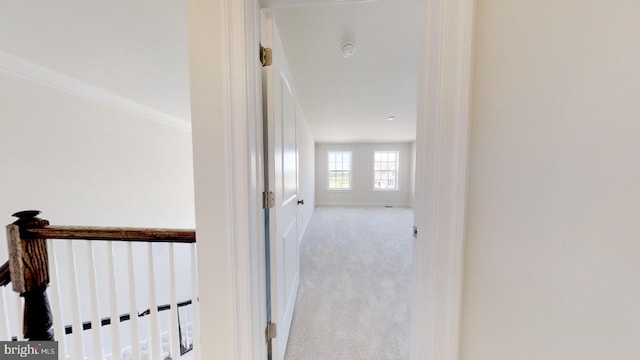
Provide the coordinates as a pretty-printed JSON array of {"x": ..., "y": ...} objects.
[{"x": 354, "y": 296}]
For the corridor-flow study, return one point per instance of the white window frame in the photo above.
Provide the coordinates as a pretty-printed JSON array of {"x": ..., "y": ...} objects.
[
  {"x": 329, "y": 153},
  {"x": 397, "y": 170}
]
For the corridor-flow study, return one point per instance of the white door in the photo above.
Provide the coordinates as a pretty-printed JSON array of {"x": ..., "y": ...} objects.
[{"x": 282, "y": 168}]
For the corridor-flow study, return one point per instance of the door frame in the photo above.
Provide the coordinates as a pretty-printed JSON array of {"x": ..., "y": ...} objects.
[{"x": 226, "y": 122}]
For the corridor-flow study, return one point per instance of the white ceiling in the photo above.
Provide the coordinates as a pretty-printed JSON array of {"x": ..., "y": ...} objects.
[
  {"x": 138, "y": 50},
  {"x": 350, "y": 99},
  {"x": 133, "y": 49}
]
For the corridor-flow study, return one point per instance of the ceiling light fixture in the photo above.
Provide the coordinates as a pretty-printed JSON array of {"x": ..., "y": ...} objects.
[
  {"x": 391, "y": 118},
  {"x": 348, "y": 48}
]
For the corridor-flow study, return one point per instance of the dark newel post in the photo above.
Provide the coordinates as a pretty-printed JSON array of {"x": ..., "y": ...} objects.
[{"x": 29, "y": 266}]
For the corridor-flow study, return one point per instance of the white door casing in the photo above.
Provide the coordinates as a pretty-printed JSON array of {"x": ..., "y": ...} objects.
[
  {"x": 444, "y": 111},
  {"x": 222, "y": 57},
  {"x": 282, "y": 154}
]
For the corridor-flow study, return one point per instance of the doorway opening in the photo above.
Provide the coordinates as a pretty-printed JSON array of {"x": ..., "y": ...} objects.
[
  {"x": 226, "y": 125},
  {"x": 351, "y": 118}
]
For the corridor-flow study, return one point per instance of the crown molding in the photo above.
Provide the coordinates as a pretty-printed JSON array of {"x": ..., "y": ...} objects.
[{"x": 26, "y": 69}]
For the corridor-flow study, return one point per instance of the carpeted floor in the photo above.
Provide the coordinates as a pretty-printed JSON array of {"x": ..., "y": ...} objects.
[{"x": 353, "y": 302}]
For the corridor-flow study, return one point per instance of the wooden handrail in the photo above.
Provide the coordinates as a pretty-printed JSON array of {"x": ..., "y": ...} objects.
[{"x": 111, "y": 234}]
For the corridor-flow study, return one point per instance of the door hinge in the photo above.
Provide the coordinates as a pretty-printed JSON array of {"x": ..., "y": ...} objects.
[
  {"x": 415, "y": 231},
  {"x": 272, "y": 331},
  {"x": 268, "y": 199},
  {"x": 266, "y": 56}
]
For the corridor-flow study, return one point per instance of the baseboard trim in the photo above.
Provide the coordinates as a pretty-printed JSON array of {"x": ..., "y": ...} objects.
[
  {"x": 25, "y": 69},
  {"x": 366, "y": 204}
]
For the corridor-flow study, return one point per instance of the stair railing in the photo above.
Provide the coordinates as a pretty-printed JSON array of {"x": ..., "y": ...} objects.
[{"x": 33, "y": 265}]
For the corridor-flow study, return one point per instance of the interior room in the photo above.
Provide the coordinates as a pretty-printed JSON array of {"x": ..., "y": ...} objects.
[{"x": 357, "y": 93}]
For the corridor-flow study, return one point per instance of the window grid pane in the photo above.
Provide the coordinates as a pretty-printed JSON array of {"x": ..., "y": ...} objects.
[
  {"x": 339, "y": 170},
  {"x": 385, "y": 170}
]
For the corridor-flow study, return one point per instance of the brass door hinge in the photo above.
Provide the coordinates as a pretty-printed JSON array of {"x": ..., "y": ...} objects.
[
  {"x": 272, "y": 331},
  {"x": 268, "y": 199},
  {"x": 266, "y": 56}
]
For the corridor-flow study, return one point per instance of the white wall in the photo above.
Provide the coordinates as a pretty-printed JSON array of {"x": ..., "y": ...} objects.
[
  {"x": 552, "y": 247},
  {"x": 86, "y": 163},
  {"x": 362, "y": 193}
]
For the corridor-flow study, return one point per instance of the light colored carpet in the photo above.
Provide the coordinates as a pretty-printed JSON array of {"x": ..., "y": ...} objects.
[{"x": 353, "y": 302}]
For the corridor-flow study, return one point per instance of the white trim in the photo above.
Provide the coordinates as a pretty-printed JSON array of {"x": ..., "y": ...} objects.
[
  {"x": 364, "y": 204},
  {"x": 26, "y": 69},
  {"x": 258, "y": 318},
  {"x": 241, "y": 124},
  {"x": 441, "y": 161},
  {"x": 226, "y": 171}
]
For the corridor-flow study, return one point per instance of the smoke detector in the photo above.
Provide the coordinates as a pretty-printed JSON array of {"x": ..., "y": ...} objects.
[{"x": 348, "y": 48}]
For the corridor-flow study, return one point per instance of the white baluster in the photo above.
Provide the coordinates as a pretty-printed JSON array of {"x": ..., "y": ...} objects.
[
  {"x": 195, "y": 303},
  {"x": 78, "y": 341},
  {"x": 5, "y": 329},
  {"x": 133, "y": 306},
  {"x": 175, "y": 337},
  {"x": 56, "y": 300},
  {"x": 113, "y": 305},
  {"x": 188, "y": 327},
  {"x": 154, "y": 327},
  {"x": 20, "y": 311},
  {"x": 96, "y": 325}
]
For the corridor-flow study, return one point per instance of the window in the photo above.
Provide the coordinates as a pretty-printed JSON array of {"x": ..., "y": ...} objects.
[
  {"x": 339, "y": 170},
  {"x": 385, "y": 170}
]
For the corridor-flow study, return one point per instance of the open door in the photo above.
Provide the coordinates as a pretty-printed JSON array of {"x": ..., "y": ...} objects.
[{"x": 281, "y": 162}]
